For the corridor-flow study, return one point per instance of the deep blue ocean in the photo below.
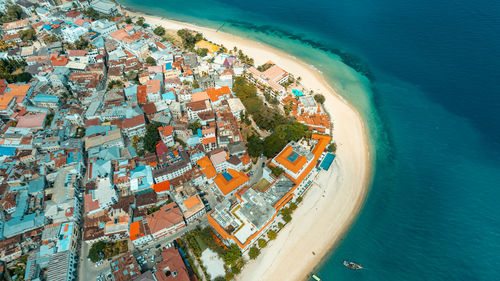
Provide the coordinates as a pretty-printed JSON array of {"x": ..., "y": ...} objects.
[{"x": 432, "y": 105}]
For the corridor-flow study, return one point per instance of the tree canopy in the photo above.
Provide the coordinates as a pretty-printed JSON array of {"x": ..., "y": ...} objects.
[
  {"x": 262, "y": 243},
  {"x": 255, "y": 146},
  {"x": 92, "y": 14},
  {"x": 189, "y": 38},
  {"x": 332, "y": 147},
  {"x": 276, "y": 171},
  {"x": 13, "y": 13},
  {"x": 27, "y": 35},
  {"x": 96, "y": 250},
  {"x": 160, "y": 31},
  {"x": 9, "y": 66},
  {"x": 232, "y": 254},
  {"x": 271, "y": 234},
  {"x": 81, "y": 44},
  {"x": 254, "y": 252},
  {"x": 151, "y": 137},
  {"x": 267, "y": 118},
  {"x": 140, "y": 21},
  {"x": 319, "y": 98},
  {"x": 151, "y": 61},
  {"x": 51, "y": 39}
]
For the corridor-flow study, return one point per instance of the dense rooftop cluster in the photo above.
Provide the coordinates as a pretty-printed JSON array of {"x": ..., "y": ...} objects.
[{"x": 110, "y": 133}]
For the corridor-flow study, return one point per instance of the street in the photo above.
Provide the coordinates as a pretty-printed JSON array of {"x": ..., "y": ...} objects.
[{"x": 257, "y": 171}]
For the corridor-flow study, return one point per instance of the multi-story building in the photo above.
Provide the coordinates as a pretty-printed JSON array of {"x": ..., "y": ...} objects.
[{"x": 166, "y": 221}]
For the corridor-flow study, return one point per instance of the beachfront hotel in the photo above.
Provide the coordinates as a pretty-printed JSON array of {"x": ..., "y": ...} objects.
[{"x": 244, "y": 218}]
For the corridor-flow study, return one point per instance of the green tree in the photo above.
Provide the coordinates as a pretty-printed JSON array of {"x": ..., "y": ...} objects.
[
  {"x": 151, "y": 137},
  {"x": 254, "y": 252},
  {"x": 92, "y": 14},
  {"x": 194, "y": 126},
  {"x": 332, "y": 147},
  {"x": 195, "y": 84},
  {"x": 271, "y": 234},
  {"x": 82, "y": 44},
  {"x": 255, "y": 146},
  {"x": 273, "y": 144},
  {"x": 160, "y": 31},
  {"x": 27, "y": 35},
  {"x": 132, "y": 75},
  {"x": 231, "y": 254},
  {"x": 151, "y": 61},
  {"x": 13, "y": 13},
  {"x": 51, "y": 39},
  {"x": 96, "y": 250},
  {"x": 287, "y": 218},
  {"x": 293, "y": 206},
  {"x": 128, "y": 20},
  {"x": 140, "y": 21},
  {"x": 201, "y": 52},
  {"x": 288, "y": 108},
  {"x": 276, "y": 171},
  {"x": 280, "y": 225},
  {"x": 189, "y": 38},
  {"x": 229, "y": 276},
  {"x": 115, "y": 84},
  {"x": 319, "y": 98},
  {"x": 262, "y": 243}
]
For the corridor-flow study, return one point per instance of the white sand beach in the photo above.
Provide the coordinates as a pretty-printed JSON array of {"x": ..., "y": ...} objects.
[{"x": 333, "y": 202}]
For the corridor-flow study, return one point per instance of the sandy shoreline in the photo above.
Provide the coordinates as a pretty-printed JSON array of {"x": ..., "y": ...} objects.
[{"x": 334, "y": 201}]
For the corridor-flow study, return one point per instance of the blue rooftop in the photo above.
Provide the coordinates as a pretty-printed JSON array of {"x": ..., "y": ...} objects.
[
  {"x": 292, "y": 157},
  {"x": 297, "y": 93},
  {"x": 45, "y": 98},
  {"x": 227, "y": 176},
  {"x": 199, "y": 133},
  {"x": 7, "y": 151},
  {"x": 64, "y": 236},
  {"x": 168, "y": 95},
  {"x": 74, "y": 157},
  {"x": 168, "y": 66}
]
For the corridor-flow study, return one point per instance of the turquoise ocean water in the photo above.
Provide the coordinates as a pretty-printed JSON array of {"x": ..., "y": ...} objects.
[{"x": 431, "y": 104}]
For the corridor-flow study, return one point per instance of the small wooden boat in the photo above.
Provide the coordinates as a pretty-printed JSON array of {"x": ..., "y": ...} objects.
[
  {"x": 352, "y": 265},
  {"x": 316, "y": 277}
]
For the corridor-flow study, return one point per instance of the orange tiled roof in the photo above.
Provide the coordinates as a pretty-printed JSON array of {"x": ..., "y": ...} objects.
[
  {"x": 238, "y": 179},
  {"x": 13, "y": 91},
  {"x": 192, "y": 202},
  {"x": 199, "y": 96},
  {"x": 166, "y": 130},
  {"x": 207, "y": 167},
  {"x": 168, "y": 216},
  {"x": 141, "y": 94},
  {"x": 135, "y": 231},
  {"x": 209, "y": 140},
  {"x": 294, "y": 166},
  {"x": 214, "y": 93},
  {"x": 153, "y": 86},
  {"x": 161, "y": 186}
]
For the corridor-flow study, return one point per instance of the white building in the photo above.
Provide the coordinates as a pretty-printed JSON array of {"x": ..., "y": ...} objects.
[
  {"x": 71, "y": 33},
  {"x": 104, "y": 27},
  {"x": 104, "y": 6},
  {"x": 237, "y": 107}
]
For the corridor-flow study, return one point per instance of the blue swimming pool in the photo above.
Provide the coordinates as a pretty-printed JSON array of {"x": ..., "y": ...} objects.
[{"x": 325, "y": 165}]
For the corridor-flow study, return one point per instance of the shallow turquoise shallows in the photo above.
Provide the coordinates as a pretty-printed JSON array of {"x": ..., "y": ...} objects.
[{"x": 431, "y": 103}]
